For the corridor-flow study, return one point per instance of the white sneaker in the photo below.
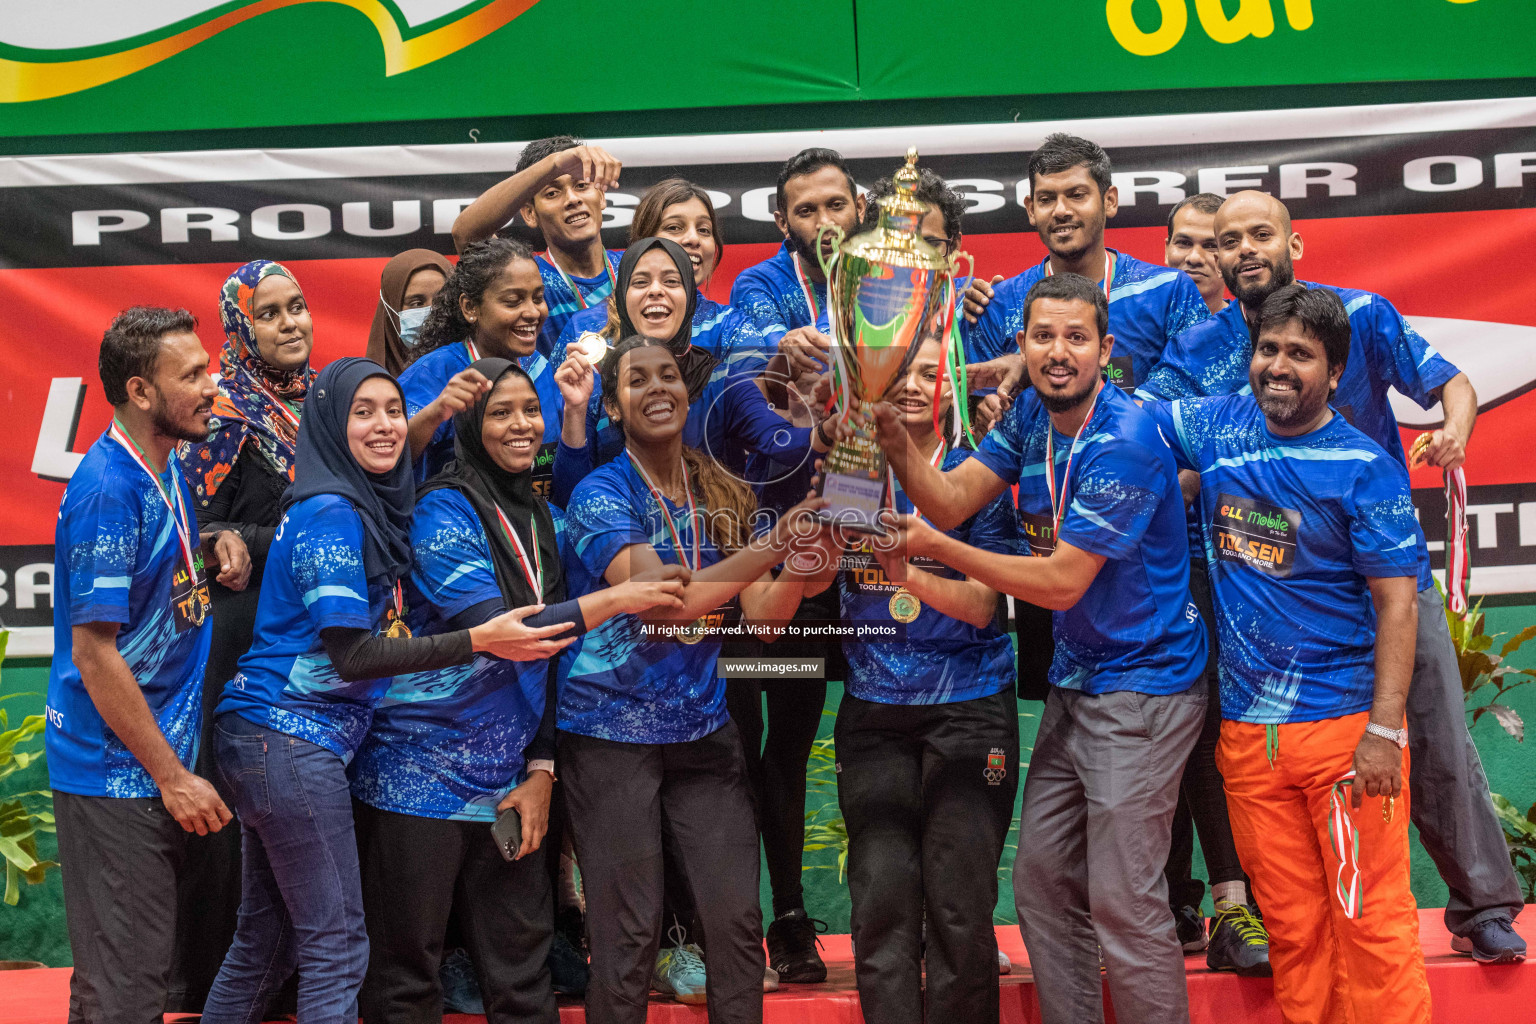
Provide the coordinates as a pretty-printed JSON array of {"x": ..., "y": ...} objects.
[{"x": 1004, "y": 965}]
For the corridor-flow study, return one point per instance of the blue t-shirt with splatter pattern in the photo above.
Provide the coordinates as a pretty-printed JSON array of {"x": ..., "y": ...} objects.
[
  {"x": 314, "y": 580},
  {"x": 449, "y": 743},
  {"x": 624, "y": 684},
  {"x": 1293, "y": 528},
  {"x": 117, "y": 558},
  {"x": 1135, "y": 627},
  {"x": 1149, "y": 306}
]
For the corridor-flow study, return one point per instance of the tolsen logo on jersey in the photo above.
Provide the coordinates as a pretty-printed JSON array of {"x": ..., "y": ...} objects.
[
  {"x": 1039, "y": 531},
  {"x": 997, "y": 767},
  {"x": 1256, "y": 534}
]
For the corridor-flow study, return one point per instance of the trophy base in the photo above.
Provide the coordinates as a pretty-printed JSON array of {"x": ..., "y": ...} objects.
[{"x": 853, "y": 502}]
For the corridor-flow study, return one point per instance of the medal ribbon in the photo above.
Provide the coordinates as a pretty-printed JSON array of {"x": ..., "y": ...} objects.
[
  {"x": 172, "y": 501},
  {"x": 474, "y": 353},
  {"x": 580, "y": 298},
  {"x": 1345, "y": 840},
  {"x": 1110, "y": 259},
  {"x": 666, "y": 517},
  {"x": 1458, "y": 564},
  {"x": 1058, "y": 505},
  {"x": 533, "y": 570},
  {"x": 806, "y": 289},
  {"x": 890, "y": 478}
]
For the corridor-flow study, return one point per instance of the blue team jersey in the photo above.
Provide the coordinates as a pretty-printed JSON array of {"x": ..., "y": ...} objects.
[
  {"x": 314, "y": 580},
  {"x": 1149, "y": 306},
  {"x": 622, "y": 684},
  {"x": 770, "y": 294},
  {"x": 117, "y": 557},
  {"x": 1135, "y": 627},
  {"x": 1384, "y": 351},
  {"x": 564, "y": 303},
  {"x": 449, "y": 743},
  {"x": 424, "y": 380},
  {"x": 1293, "y": 527},
  {"x": 940, "y": 660}
]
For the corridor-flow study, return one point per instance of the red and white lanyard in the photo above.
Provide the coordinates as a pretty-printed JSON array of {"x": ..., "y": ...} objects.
[
  {"x": 1058, "y": 505},
  {"x": 666, "y": 517},
  {"x": 1457, "y": 552},
  {"x": 580, "y": 298},
  {"x": 890, "y": 479},
  {"x": 1110, "y": 259},
  {"x": 533, "y": 569},
  {"x": 172, "y": 498},
  {"x": 474, "y": 353},
  {"x": 806, "y": 289}
]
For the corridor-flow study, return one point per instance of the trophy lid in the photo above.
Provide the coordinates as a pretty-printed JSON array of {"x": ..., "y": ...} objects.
[{"x": 896, "y": 239}]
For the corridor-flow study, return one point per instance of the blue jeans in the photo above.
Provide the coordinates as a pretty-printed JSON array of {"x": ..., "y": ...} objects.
[{"x": 301, "y": 903}]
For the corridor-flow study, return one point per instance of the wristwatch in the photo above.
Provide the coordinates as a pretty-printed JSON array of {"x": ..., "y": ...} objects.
[
  {"x": 541, "y": 765},
  {"x": 1398, "y": 736}
]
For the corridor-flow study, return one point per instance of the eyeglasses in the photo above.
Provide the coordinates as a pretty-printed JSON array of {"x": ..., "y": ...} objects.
[{"x": 941, "y": 244}]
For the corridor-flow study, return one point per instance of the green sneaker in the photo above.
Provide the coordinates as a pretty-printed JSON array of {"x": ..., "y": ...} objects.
[
  {"x": 1239, "y": 943},
  {"x": 680, "y": 974}
]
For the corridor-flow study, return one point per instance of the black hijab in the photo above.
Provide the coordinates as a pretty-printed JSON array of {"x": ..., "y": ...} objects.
[
  {"x": 488, "y": 487},
  {"x": 695, "y": 364},
  {"x": 325, "y": 465}
]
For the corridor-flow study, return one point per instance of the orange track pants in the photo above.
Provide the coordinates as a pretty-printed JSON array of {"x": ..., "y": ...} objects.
[{"x": 1329, "y": 968}]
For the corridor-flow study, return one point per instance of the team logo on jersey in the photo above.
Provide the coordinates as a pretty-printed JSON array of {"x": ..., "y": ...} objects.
[{"x": 997, "y": 767}]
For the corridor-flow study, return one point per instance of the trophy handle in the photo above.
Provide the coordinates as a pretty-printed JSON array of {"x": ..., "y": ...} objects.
[
  {"x": 826, "y": 264},
  {"x": 963, "y": 287}
]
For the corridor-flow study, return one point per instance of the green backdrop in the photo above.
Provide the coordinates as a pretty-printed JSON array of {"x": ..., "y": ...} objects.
[{"x": 34, "y": 930}]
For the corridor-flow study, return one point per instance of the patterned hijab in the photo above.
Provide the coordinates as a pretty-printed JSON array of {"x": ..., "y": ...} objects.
[{"x": 257, "y": 402}]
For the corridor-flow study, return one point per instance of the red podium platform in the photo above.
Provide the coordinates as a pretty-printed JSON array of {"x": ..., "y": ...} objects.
[{"x": 1464, "y": 992}]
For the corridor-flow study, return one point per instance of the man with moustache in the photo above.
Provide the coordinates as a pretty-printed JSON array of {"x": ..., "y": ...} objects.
[
  {"x": 558, "y": 189},
  {"x": 130, "y": 641},
  {"x": 786, "y": 294},
  {"x": 1071, "y": 198},
  {"x": 1309, "y": 529},
  {"x": 1237, "y": 940},
  {"x": 1107, "y": 552},
  {"x": 1256, "y": 251},
  {"x": 1191, "y": 246}
]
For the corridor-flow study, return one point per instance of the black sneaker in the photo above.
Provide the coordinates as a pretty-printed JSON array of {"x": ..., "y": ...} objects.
[
  {"x": 568, "y": 970},
  {"x": 792, "y": 946},
  {"x": 570, "y": 922},
  {"x": 1239, "y": 943},
  {"x": 1492, "y": 942},
  {"x": 1190, "y": 926}
]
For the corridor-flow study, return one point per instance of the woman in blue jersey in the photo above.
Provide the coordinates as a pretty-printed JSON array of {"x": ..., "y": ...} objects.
[
  {"x": 647, "y": 749},
  {"x": 491, "y": 306},
  {"x": 449, "y": 750},
  {"x": 329, "y": 633},
  {"x": 728, "y": 416},
  {"x": 927, "y": 739}
]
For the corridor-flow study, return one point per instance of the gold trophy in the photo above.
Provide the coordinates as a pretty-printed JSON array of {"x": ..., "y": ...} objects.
[{"x": 886, "y": 288}]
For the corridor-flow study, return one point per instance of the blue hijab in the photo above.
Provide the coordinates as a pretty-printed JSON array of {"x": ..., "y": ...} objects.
[{"x": 325, "y": 465}]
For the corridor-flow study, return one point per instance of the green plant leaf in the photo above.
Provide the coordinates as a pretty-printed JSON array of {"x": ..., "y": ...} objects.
[
  {"x": 1510, "y": 719},
  {"x": 15, "y": 855},
  {"x": 1517, "y": 641}
]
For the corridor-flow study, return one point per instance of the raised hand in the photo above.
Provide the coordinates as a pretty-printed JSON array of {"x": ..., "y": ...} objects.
[
  {"x": 635, "y": 595},
  {"x": 588, "y": 163},
  {"x": 977, "y": 296},
  {"x": 575, "y": 379},
  {"x": 461, "y": 391},
  {"x": 807, "y": 349}
]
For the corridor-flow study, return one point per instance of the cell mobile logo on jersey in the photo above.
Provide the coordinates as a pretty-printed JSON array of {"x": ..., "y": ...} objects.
[
  {"x": 1254, "y": 18},
  {"x": 116, "y": 39}
]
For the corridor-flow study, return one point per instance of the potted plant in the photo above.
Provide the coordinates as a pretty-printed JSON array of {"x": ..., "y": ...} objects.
[{"x": 23, "y": 815}]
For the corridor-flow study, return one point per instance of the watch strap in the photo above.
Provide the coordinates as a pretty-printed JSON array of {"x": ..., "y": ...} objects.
[{"x": 1398, "y": 736}]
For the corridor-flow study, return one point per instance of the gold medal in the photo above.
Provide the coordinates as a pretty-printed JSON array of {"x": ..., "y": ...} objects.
[
  {"x": 905, "y": 606},
  {"x": 592, "y": 345},
  {"x": 200, "y": 606},
  {"x": 397, "y": 630},
  {"x": 692, "y": 633}
]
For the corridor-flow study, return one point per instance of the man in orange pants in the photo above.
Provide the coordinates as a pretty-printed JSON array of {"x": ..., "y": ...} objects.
[{"x": 1314, "y": 554}]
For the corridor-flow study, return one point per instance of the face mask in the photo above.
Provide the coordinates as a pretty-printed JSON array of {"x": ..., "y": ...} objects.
[{"x": 408, "y": 322}]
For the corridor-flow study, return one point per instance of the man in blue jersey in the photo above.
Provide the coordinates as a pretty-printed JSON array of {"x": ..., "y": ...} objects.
[
  {"x": 1100, "y": 509},
  {"x": 1071, "y": 198},
  {"x": 1314, "y": 554},
  {"x": 1236, "y": 941},
  {"x": 786, "y": 295},
  {"x": 559, "y": 190},
  {"x": 125, "y": 691},
  {"x": 1257, "y": 247}
]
